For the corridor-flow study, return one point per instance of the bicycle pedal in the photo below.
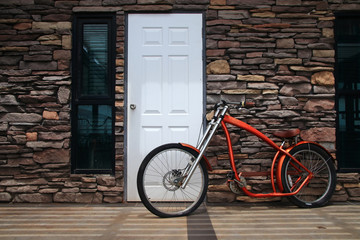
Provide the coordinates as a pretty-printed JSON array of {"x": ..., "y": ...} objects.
[
  {"x": 234, "y": 187},
  {"x": 242, "y": 183}
]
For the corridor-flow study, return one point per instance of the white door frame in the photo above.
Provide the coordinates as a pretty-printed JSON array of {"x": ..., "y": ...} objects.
[{"x": 126, "y": 102}]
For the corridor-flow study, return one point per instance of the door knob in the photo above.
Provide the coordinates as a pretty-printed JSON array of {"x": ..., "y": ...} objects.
[{"x": 132, "y": 106}]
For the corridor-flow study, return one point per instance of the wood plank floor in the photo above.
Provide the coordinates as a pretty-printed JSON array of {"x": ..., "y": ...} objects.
[{"x": 341, "y": 221}]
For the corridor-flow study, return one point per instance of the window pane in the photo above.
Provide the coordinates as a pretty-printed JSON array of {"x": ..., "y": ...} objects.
[
  {"x": 348, "y": 91},
  {"x": 95, "y": 60},
  {"x": 348, "y": 29},
  {"x": 94, "y": 137}
]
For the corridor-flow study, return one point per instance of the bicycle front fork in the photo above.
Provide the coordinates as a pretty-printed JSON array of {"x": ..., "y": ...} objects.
[{"x": 205, "y": 141}]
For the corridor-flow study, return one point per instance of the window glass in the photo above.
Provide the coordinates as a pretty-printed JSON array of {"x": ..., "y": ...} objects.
[
  {"x": 94, "y": 137},
  {"x": 348, "y": 91},
  {"x": 94, "y": 55}
]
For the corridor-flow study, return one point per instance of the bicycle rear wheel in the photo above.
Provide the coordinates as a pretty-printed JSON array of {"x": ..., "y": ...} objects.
[
  {"x": 160, "y": 177},
  {"x": 320, "y": 188}
]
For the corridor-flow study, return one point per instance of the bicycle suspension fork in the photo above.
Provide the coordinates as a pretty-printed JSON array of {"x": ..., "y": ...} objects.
[{"x": 205, "y": 141}]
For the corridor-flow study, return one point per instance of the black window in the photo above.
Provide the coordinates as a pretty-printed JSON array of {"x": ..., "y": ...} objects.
[
  {"x": 347, "y": 33},
  {"x": 93, "y": 94}
]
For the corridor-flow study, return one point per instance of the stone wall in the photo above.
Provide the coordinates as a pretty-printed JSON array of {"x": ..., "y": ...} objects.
[{"x": 278, "y": 53}]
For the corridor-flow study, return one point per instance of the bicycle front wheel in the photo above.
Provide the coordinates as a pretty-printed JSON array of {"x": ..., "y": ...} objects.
[
  {"x": 318, "y": 191},
  {"x": 161, "y": 175}
]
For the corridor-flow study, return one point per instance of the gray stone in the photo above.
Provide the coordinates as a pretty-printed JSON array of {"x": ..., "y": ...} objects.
[
  {"x": 10, "y": 60},
  {"x": 221, "y": 77},
  {"x": 45, "y": 144},
  {"x": 22, "y": 189},
  {"x": 278, "y": 114},
  {"x": 39, "y": 65},
  {"x": 294, "y": 89},
  {"x": 44, "y": 136},
  {"x": 8, "y": 100},
  {"x": 262, "y": 85},
  {"x": 21, "y": 117},
  {"x": 63, "y": 95},
  {"x": 288, "y": 101},
  {"x": 233, "y": 14},
  {"x": 5, "y": 197}
]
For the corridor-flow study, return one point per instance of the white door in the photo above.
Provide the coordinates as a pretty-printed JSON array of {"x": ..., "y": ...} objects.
[{"x": 165, "y": 85}]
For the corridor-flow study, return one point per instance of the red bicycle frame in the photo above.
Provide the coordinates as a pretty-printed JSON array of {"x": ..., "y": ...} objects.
[
  {"x": 221, "y": 118},
  {"x": 280, "y": 154}
]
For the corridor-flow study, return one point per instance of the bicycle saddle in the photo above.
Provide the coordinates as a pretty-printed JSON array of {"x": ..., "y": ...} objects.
[{"x": 287, "y": 133}]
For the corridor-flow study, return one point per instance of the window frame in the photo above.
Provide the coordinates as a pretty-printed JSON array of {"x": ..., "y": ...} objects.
[
  {"x": 339, "y": 92},
  {"x": 77, "y": 70}
]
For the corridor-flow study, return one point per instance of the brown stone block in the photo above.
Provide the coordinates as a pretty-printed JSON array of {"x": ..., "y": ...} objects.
[
  {"x": 31, "y": 136},
  {"x": 52, "y": 156},
  {"x": 50, "y": 115},
  {"x": 264, "y": 14},
  {"x": 325, "y": 78},
  {"x": 215, "y": 52},
  {"x": 89, "y": 197},
  {"x": 319, "y": 105},
  {"x": 137, "y": 8},
  {"x": 64, "y": 197},
  {"x": 218, "y": 67},
  {"x": 46, "y": 26},
  {"x": 110, "y": 189},
  {"x": 218, "y": 2},
  {"x": 294, "y": 89},
  {"x": 22, "y": 26},
  {"x": 228, "y": 44},
  {"x": 116, "y": 199},
  {"x": 324, "y": 134},
  {"x": 106, "y": 181},
  {"x": 285, "y": 43},
  {"x": 354, "y": 192},
  {"x": 43, "y": 136},
  {"x": 56, "y": 17},
  {"x": 33, "y": 198},
  {"x": 62, "y": 55}
]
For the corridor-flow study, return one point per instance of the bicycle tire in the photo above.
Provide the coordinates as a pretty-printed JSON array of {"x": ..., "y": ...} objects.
[
  {"x": 159, "y": 177},
  {"x": 320, "y": 188}
]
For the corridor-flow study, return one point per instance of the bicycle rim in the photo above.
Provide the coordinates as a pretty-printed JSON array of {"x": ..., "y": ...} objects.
[
  {"x": 163, "y": 194},
  {"x": 317, "y": 191}
]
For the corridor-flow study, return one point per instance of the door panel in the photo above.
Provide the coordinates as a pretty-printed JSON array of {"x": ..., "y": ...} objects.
[{"x": 165, "y": 83}]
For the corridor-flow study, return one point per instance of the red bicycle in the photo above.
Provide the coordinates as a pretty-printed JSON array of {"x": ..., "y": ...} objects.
[{"x": 173, "y": 178}]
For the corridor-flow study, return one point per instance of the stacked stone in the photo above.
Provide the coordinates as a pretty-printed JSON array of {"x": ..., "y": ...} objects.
[{"x": 35, "y": 90}]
